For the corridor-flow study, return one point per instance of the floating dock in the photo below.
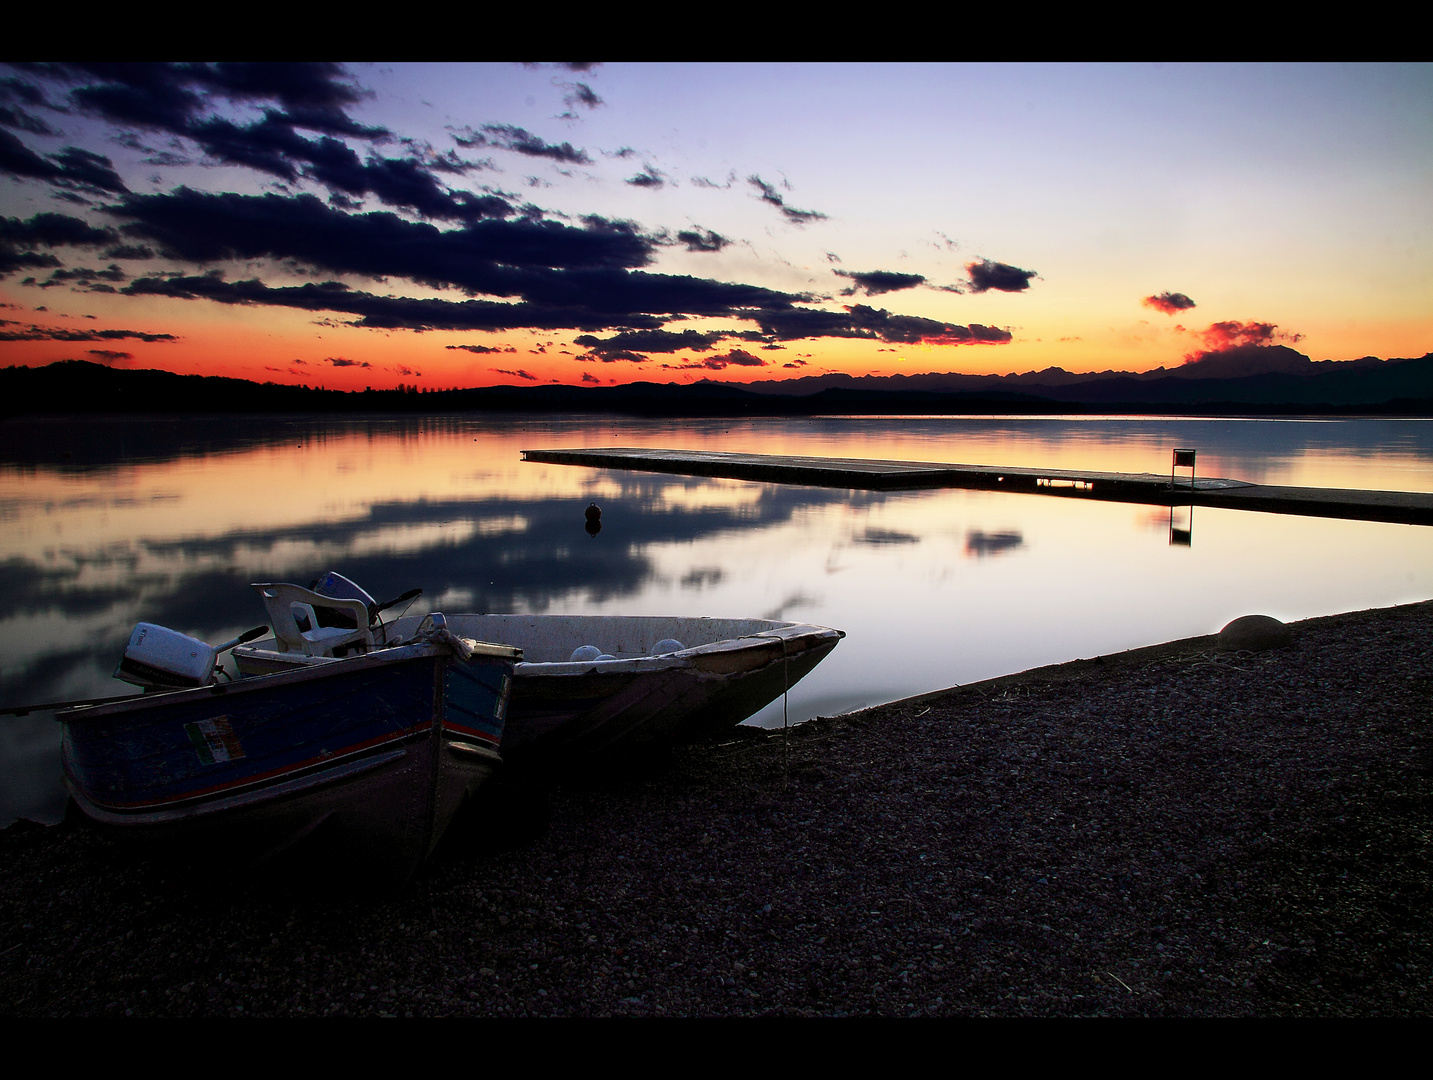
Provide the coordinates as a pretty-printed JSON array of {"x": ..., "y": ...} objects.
[{"x": 1403, "y": 507}]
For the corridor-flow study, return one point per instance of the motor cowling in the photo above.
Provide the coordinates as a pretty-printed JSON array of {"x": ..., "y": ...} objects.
[{"x": 160, "y": 658}]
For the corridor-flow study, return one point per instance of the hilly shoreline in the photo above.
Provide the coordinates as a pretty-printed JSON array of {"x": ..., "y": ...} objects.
[{"x": 1250, "y": 380}]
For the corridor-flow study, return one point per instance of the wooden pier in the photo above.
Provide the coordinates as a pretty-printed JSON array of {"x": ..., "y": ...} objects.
[{"x": 1403, "y": 507}]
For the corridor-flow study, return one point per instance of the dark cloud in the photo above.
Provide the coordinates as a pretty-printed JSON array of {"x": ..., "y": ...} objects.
[
  {"x": 860, "y": 321},
  {"x": 17, "y": 97},
  {"x": 109, "y": 356},
  {"x": 128, "y": 251},
  {"x": 88, "y": 171},
  {"x": 984, "y": 335},
  {"x": 517, "y": 374},
  {"x": 482, "y": 350},
  {"x": 54, "y": 230},
  {"x": 876, "y": 282},
  {"x": 178, "y": 99},
  {"x": 986, "y": 275},
  {"x": 72, "y": 167},
  {"x": 272, "y": 146},
  {"x": 704, "y": 182},
  {"x": 769, "y": 194},
  {"x": 12, "y": 260},
  {"x": 739, "y": 357},
  {"x": 50, "y": 333},
  {"x": 343, "y": 361},
  {"x": 1168, "y": 302},
  {"x": 699, "y": 239},
  {"x": 154, "y": 155},
  {"x": 580, "y": 94},
  {"x": 613, "y": 355},
  {"x": 174, "y": 97},
  {"x": 483, "y": 257},
  {"x": 649, "y": 177},
  {"x": 568, "y": 276},
  {"x": 388, "y": 312},
  {"x": 156, "y": 96},
  {"x": 447, "y": 161},
  {"x": 648, "y": 341},
  {"x": 521, "y": 141},
  {"x": 91, "y": 280},
  {"x": 19, "y": 239}
]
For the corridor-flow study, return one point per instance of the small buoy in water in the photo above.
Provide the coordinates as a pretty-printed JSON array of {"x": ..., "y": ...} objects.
[
  {"x": 594, "y": 520},
  {"x": 586, "y": 652},
  {"x": 667, "y": 645}
]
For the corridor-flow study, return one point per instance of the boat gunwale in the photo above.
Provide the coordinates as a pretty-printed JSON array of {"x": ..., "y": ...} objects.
[
  {"x": 333, "y": 667},
  {"x": 773, "y": 632}
]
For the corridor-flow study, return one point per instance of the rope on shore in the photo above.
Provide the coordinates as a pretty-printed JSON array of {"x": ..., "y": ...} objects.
[{"x": 785, "y": 725}]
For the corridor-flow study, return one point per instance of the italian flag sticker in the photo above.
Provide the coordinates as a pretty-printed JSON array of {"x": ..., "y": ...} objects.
[{"x": 214, "y": 740}]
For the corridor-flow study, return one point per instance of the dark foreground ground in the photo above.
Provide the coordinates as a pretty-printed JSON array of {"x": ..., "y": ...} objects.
[{"x": 1171, "y": 832}]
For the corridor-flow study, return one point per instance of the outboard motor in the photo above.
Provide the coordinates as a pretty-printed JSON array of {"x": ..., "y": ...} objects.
[
  {"x": 158, "y": 658},
  {"x": 335, "y": 585},
  {"x": 340, "y": 588}
]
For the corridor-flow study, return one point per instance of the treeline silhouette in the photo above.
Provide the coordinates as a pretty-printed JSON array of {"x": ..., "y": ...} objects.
[{"x": 80, "y": 386}]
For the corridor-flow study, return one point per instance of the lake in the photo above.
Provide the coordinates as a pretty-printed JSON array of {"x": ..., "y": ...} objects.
[{"x": 109, "y": 522}]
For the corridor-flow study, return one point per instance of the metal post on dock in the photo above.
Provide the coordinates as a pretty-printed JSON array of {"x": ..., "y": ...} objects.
[{"x": 1183, "y": 459}]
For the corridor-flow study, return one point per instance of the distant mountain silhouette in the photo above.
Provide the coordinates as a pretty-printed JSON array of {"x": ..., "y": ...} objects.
[
  {"x": 1247, "y": 375},
  {"x": 1239, "y": 362},
  {"x": 1249, "y": 378}
]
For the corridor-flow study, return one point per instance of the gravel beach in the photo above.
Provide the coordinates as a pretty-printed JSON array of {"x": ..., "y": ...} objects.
[{"x": 1172, "y": 831}]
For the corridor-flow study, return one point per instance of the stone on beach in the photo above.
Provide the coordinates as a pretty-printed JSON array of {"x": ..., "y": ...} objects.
[{"x": 1254, "y": 633}]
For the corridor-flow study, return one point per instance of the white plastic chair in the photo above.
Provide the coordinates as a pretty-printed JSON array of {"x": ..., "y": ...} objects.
[{"x": 287, "y": 603}]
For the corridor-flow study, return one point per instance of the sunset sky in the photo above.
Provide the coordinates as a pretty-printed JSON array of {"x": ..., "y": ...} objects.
[{"x": 467, "y": 225}]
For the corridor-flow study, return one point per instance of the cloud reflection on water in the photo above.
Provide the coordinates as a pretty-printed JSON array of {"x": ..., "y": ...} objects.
[{"x": 495, "y": 553}]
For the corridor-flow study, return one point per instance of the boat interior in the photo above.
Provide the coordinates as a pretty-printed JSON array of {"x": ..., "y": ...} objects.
[
  {"x": 337, "y": 618},
  {"x": 553, "y": 639}
]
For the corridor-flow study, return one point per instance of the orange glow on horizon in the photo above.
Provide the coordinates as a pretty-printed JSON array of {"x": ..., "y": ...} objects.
[{"x": 294, "y": 348}]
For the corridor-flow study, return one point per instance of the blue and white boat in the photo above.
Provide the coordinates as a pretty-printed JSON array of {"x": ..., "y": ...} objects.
[{"x": 374, "y": 752}]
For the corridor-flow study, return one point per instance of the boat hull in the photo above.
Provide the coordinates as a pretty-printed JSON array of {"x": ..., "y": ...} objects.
[
  {"x": 561, "y": 708},
  {"x": 376, "y": 753}
]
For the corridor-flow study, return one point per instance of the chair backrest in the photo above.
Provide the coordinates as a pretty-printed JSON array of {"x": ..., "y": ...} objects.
[{"x": 286, "y": 603}]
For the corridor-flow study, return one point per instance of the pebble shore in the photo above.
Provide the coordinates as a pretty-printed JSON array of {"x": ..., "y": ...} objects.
[{"x": 1172, "y": 831}]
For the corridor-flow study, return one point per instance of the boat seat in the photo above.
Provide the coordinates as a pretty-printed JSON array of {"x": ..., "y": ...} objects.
[{"x": 298, "y": 616}]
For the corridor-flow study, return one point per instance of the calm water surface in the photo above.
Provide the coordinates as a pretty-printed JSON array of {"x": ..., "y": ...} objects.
[{"x": 110, "y": 522}]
